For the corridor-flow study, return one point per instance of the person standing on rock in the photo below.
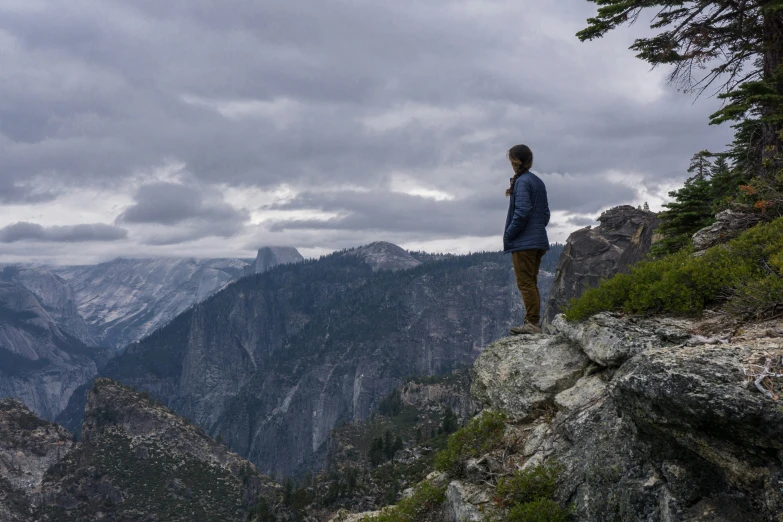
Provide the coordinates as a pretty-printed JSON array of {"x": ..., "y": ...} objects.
[{"x": 525, "y": 234}]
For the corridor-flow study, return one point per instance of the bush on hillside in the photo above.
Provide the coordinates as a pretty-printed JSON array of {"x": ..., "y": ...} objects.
[
  {"x": 544, "y": 510},
  {"x": 528, "y": 485},
  {"x": 425, "y": 500},
  {"x": 482, "y": 434},
  {"x": 744, "y": 275}
]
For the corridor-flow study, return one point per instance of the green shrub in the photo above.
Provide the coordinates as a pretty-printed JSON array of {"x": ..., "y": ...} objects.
[
  {"x": 529, "y": 485},
  {"x": 426, "y": 498},
  {"x": 544, "y": 510},
  {"x": 482, "y": 434},
  {"x": 757, "y": 299},
  {"x": 685, "y": 284}
]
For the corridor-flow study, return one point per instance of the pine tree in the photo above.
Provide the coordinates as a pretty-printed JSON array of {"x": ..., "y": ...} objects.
[
  {"x": 388, "y": 445},
  {"x": 398, "y": 445},
  {"x": 691, "y": 210},
  {"x": 450, "y": 422},
  {"x": 376, "y": 455},
  {"x": 705, "y": 193},
  {"x": 701, "y": 166},
  {"x": 725, "y": 181},
  {"x": 733, "y": 46}
]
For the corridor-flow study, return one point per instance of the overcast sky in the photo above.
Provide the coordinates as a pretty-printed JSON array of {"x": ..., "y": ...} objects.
[{"x": 210, "y": 128}]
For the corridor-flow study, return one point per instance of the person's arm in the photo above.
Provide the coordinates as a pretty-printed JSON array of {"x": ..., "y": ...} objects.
[
  {"x": 523, "y": 207},
  {"x": 548, "y": 215}
]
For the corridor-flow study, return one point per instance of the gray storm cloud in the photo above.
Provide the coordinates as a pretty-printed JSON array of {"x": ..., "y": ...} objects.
[
  {"x": 24, "y": 231},
  {"x": 180, "y": 213},
  {"x": 173, "y": 203},
  {"x": 317, "y": 95}
]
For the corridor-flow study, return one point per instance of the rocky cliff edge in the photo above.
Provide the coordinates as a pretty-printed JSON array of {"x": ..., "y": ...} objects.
[
  {"x": 646, "y": 419},
  {"x": 651, "y": 419}
]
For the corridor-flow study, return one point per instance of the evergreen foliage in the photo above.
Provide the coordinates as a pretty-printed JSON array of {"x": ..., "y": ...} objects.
[
  {"x": 391, "y": 405},
  {"x": 735, "y": 46},
  {"x": 544, "y": 510},
  {"x": 261, "y": 512},
  {"x": 695, "y": 204},
  {"x": 530, "y": 495},
  {"x": 483, "y": 433},
  {"x": 383, "y": 448},
  {"x": 172, "y": 486},
  {"x": 420, "y": 506},
  {"x": 743, "y": 275},
  {"x": 450, "y": 422},
  {"x": 529, "y": 485}
]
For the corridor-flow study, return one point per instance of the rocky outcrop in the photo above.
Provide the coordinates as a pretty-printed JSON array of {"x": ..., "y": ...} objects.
[
  {"x": 610, "y": 339},
  {"x": 453, "y": 392},
  {"x": 39, "y": 364},
  {"x": 522, "y": 375},
  {"x": 116, "y": 408},
  {"x": 127, "y": 299},
  {"x": 385, "y": 256},
  {"x": 29, "y": 446},
  {"x": 136, "y": 461},
  {"x": 623, "y": 238},
  {"x": 672, "y": 427},
  {"x": 728, "y": 225},
  {"x": 269, "y": 257},
  {"x": 466, "y": 502}
]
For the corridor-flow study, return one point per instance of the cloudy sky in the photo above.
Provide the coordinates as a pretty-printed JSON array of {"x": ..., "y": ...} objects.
[{"x": 211, "y": 127}]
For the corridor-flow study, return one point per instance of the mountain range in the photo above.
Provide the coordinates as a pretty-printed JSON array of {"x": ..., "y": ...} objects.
[{"x": 270, "y": 354}]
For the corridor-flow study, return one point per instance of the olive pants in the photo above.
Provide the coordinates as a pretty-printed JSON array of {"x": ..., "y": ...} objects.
[{"x": 526, "y": 265}]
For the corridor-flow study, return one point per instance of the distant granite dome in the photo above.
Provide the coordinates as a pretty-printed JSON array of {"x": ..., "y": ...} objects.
[
  {"x": 269, "y": 257},
  {"x": 125, "y": 300},
  {"x": 382, "y": 255}
]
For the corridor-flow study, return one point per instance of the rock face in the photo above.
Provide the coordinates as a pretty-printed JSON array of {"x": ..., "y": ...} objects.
[
  {"x": 269, "y": 257},
  {"x": 465, "y": 502},
  {"x": 728, "y": 225},
  {"x": 521, "y": 375},
  {"x": 623, "y": 238},
  {"x": 126, "y": 299},
  {"x": 385, "y": 256},
  {"x": 29, "y": 446},
  {"x": 274, "y": 362},
  {"x": 673, "y": 432},
  {"x": 454, "y": 394},
  {"x": 610, "y": 339},
  {"x": 136, "y": 461},
  {"x": 55, "y": 295},
  {"x": 39, "y": 364},
  {"x": 48, "y": 350}
]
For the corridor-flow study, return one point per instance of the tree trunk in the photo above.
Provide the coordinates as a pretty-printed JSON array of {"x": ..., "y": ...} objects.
[{"x": 771, "y": 144}]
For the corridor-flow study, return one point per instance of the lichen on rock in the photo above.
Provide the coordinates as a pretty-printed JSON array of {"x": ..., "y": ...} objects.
[
  {"x": 667, "y": 428},
  {"x": 521, "y": 375}
]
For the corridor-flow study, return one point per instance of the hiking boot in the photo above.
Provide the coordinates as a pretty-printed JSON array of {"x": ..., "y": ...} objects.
[{"x": 526, "y": 329}]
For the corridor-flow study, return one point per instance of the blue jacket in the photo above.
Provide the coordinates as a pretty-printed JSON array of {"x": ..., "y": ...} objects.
[{"x": 528, "y": 215}]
